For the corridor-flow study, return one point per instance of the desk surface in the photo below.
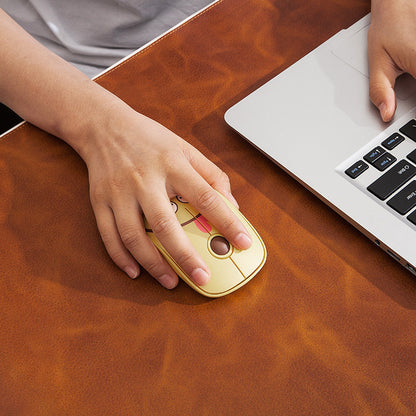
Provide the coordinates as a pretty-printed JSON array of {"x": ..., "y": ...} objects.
[{"x": 327, "y": 327}]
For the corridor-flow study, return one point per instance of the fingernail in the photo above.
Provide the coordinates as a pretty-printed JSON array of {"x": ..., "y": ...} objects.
[
  {"x": 167, "y": 281},
  {"x": 383, "y": 108},
  {"x": 131, "y": 272},
  {"x": 200, "y": 276},
  {"x": 243, "y": 241}
]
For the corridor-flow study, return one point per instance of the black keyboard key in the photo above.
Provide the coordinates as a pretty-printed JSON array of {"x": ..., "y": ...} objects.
[
  {"x": 392, "y": 141},
  {"x": 412, "y": 217},
  {"x": 392, "y": 180},
  {"x": 383, "y": 162},
  {"x": 404, "y": 200},
  {"x": 372, "y": 156},
  {"x": 412, "y": 156},
  {"x": 356, "y": 169},
  {"x": 409, "y": 129}
]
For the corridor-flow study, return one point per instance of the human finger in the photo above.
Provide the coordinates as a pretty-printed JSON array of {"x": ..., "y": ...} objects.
[
  {"x": 208, "y": 202},
  {"x": 130, "y": 226},
  {"x": 169, "y": 232},
  {"x": 115, "y": 248},
  {"x": 383, "y": 73},
  {"x": 212, "y": 174}
]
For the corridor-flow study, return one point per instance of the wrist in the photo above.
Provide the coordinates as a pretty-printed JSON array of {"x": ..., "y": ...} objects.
[{"x": 93, "y": 124}]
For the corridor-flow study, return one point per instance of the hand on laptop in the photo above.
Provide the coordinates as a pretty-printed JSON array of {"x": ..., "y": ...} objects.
[
  {"x": 391, "y": 50},
  {"x": 135, "y": 165}
]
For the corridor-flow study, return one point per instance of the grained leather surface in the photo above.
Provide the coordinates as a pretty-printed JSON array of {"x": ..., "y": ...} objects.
[{"x": 328, "y": 327}]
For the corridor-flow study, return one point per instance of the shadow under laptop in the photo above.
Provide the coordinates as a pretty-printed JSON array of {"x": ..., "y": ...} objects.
[{"x": 313, "y": 216}]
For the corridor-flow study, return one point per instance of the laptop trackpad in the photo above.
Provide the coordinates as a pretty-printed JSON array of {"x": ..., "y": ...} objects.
[{"x": 350, "y": 50}]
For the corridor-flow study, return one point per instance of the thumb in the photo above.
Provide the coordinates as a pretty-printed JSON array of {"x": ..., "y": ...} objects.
[{"x": 383, "y": 74}]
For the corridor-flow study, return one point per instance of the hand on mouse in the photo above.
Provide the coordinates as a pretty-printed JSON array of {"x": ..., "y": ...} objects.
[
  {"x": 391, "y": 51},
  {"x": 135, "y": 167}
]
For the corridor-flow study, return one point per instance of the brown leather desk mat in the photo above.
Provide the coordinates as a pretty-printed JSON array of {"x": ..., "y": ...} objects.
[{"x": 327, "y": 327}]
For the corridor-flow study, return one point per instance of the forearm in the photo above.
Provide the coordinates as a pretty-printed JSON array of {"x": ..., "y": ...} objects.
[
  {"x": 48, "y": 91},
  {"x": 385, "y": 3},
  {"x": 391, "y": 8}
]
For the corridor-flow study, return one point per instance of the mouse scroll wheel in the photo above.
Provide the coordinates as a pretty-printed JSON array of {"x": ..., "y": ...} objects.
[{"x": 220, "y": 245}]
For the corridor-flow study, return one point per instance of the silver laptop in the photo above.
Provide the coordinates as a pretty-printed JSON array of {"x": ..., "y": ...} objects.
[{"x": 315, "y": 120}]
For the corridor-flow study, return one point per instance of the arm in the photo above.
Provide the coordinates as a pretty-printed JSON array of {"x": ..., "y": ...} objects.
[
  {"x": 128, "y": 156},
  {"x": 391, "y": 50}
]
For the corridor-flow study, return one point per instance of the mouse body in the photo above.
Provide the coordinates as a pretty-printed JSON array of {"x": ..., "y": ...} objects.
[{"x": 230, "y": 268}]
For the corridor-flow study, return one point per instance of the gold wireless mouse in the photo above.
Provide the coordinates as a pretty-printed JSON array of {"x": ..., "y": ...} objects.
[{"x": 230, "y": 268}]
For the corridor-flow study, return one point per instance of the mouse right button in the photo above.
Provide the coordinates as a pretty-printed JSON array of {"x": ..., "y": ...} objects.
[
  {"x": 250, "y": 261},
  {"x": 224, "y": 277}
]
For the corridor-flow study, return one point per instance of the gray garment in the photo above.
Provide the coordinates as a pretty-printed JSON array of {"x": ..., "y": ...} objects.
[{"x": 94, "y": 34}]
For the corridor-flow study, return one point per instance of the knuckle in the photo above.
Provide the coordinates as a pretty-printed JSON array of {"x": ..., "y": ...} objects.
[
  {"x": 125, "y": 180},
  {"x": 118, "y": 256},
  {"x": 108, "y": 238},
  {"x": 113, "y": 248},
  {"x": 117, "y": 184},
  {"x": 97, "y": 194},
  {"x": 377, "y": 85},
  {"x": 170, "y": 160},
  {"x": 130, "y": 236},
  {"x": 185, "y": 258},
  {"x": 207, "y": 200},
  {"x": 229, "y": 223},
  {"x": 162, "y": 224},
  {"x": 108, "y": 188},
  {"x": 153, "y": 266}
]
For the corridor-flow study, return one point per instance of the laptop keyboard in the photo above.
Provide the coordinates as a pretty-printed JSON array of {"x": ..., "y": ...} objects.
[{"x": 389, "y": 169}]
